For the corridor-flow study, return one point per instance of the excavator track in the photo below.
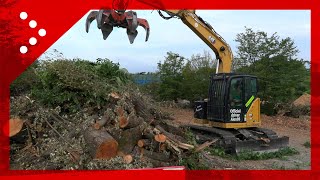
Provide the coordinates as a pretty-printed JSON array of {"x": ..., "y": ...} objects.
[{"x": 234, "y": 141}]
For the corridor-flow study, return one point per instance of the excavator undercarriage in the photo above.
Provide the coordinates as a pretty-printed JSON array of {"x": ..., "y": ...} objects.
[{"x": 235, "y": 141}]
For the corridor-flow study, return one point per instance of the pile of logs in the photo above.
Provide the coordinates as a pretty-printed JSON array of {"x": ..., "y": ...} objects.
[
  {"x": 130, "y": 130},
  {"x": 129, "y": 127}
]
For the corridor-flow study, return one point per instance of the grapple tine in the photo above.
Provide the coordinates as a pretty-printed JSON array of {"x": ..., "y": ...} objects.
[
  {"x": 106, "y": 30},
  {"x": 132, "y": 35},
  {"x": 144, "y": 23},
  {"x": 132, "y": 21},
  {"x": 92, "y": 16},
  {"x": 99, "y": 18}
]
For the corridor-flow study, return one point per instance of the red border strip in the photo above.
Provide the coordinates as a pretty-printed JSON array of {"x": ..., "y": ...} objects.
[{"x": 59, "y": 15}]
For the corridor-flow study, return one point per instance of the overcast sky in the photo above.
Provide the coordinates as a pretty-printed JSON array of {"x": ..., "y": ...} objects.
[{"x": 173, "y": 35}]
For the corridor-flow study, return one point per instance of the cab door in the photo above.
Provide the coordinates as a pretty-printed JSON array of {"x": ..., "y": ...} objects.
[
  {"x": 235, "y": 105},
  {"x": 242, "y": 92}
]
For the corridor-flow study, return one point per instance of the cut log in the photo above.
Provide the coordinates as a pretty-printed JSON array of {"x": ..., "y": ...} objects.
[
  {"x": 129, "y": 138},
  {"x": 119, "y": 111},
  {"x": 149, "y": 144},
  {"x": 131, "y": 122},
  {"x": 180, "y": 141},
  {"x": 155, "y": 155},
  {"x": 170, "y": 135},
  {"x": 123, "y": 121},
  {"x": 99, "y": 124},
  {"x": 148, "y": 135},
  {"x": 18, "y": 131},
  {"x": 160, "y": 138},
  {"x": 172, "y": 129},
  {"x": 141, "y": 109},
  {"x": 15, "y": 126},
  {"x": 128, "y": 159},
  {"x": 100, "y": 144}
]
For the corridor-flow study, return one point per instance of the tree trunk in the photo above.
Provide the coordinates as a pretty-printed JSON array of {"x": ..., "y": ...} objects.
[
  {"x": 101, "y": 144},
  {"x": 142, "y": 110},
  {"x": 149, "y": 144},
  {"x": 170, "y": 135}
]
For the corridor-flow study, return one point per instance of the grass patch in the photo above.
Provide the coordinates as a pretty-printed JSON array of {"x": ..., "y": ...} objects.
[
  {"x": 281, "y": 153},
  {"x": 192, "y": 162},
  {"x": 250, "y": 155},
  {"x": 307, "y": 144}
]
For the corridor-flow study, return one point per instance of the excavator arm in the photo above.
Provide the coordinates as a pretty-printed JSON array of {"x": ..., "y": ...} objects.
[{"x": 205, "y": 31}]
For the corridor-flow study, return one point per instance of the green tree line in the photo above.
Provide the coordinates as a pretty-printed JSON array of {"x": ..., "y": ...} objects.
[{"x": 282, "y": 77}]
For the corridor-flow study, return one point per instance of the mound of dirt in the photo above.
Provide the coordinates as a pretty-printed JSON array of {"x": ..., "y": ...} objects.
[{"x": 304, "y": 100}]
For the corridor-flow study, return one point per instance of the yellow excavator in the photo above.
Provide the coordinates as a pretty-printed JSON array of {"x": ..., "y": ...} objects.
[{"x": 231, "y": 112}]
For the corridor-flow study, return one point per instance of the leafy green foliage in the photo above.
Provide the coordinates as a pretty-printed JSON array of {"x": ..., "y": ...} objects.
[
  {"x": 280, "y": 79},
  {"x": 307, "y": 144},
  {"x": 196, "y": 76},
  {"x": 192, "y": 162},
  {"x": 171, "y": 76},
  {"x": 185, "y": 78},
  {"x": 25, "y": 81},
  {"x": 73, "y": 84},
  {"x": 255, "y": 45}
]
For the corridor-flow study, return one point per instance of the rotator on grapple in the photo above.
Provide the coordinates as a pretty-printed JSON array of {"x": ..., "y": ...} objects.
[
  {"x": 107, "y": 19},
  {"x": 231, "y": 112}
]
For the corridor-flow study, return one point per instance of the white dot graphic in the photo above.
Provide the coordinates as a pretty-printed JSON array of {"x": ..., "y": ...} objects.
[
  {"x": 23, "y": 15},
  {"x": 33, "y": 41},
  {"x": 33, "y": 24},
  {"x": 42, "y": 32},
  {"x": 23, "y": 49}
]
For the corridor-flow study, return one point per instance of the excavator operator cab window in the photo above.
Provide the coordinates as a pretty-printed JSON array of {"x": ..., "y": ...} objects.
[
  {"x": 242, "y": 92},
  {"x": 236, "y": 92}
]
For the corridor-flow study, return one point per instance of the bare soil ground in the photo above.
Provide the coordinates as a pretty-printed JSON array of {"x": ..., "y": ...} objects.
[{"x": 297, "y": 129}]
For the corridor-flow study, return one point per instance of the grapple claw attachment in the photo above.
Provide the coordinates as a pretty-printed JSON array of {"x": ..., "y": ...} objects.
[{"x": 107, "y": 19}]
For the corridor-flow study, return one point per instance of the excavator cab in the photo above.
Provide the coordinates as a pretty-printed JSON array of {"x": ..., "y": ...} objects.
[
  {"x": 229, "y": 101},
  {"x": 230, "y": 98},
  {"x": 232, "y": 114}
]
